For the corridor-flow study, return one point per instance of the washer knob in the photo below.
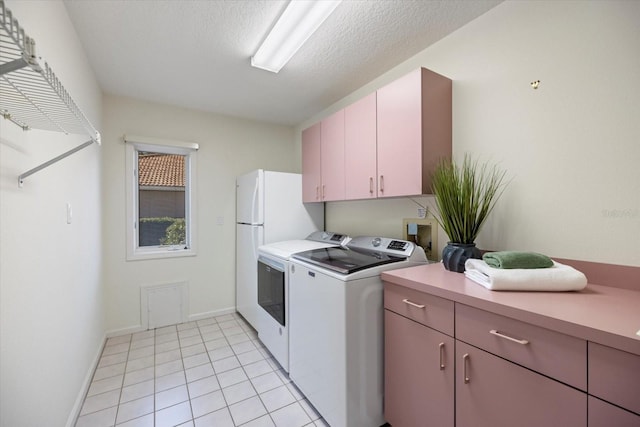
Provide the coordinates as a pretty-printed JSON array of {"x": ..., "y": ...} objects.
[{"x": 376, "y": 242}]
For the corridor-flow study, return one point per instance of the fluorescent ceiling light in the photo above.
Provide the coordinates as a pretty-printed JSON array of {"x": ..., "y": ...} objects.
[{"x": 299, "y": 20}]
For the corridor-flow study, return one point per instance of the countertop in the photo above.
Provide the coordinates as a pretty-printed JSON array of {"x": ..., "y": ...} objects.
[{"x": 602, "y": 314}]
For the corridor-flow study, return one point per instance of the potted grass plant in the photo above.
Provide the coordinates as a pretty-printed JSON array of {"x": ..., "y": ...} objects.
[{"x": 465, "y": 195}]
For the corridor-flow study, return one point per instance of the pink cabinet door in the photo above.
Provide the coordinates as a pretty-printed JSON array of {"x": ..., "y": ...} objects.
[
  {"x": 399, "y": 116},
  {"x": 491, "y": 392},
  {"x": 360, "y": 149},
  {"x": 419, "y": 374},
  {"x": 311, "y": 164},
  {"x": 603, "y": 414},
  {"x": 614, "y": 376},
  {"x": 414, "y": 132},
  {"x": 332, "y": 157}
]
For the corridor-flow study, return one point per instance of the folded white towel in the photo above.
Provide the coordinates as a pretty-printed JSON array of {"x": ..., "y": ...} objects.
[{"x": 560, "y": 277}]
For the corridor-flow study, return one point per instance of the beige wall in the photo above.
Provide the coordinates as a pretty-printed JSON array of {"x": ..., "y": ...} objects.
[
  {"x": 228, "y": 147},
  {"x": 51, "y": 296},
  {"x": 571, "y": 147}
]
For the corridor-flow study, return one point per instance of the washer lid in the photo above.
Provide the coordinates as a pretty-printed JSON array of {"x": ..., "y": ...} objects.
[
  {"x": 315, "y": 240},
  {"x": 285, "y": 249},
  {"x": 344, "y": 260}
]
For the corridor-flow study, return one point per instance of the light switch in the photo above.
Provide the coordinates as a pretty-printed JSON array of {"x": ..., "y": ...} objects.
[{"x": 220, "y": 220}]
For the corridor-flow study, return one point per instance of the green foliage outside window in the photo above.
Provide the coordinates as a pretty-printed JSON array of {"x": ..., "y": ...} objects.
[
  {"x": 176, "y": 233},
  {"x": 162, "y": 231}
]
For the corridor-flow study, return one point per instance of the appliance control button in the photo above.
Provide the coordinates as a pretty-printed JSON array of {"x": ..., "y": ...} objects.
[
  {"x": 397, "y": 245},
  {"x": 376, "y": 242}
]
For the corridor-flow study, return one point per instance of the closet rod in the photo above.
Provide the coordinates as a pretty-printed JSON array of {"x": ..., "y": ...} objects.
[
  {"x": 14, "y": 65},
  {"x": 52, "y": 161}
]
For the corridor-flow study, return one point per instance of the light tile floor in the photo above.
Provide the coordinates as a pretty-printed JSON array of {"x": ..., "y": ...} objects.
[{"x": 212, "y": 372}]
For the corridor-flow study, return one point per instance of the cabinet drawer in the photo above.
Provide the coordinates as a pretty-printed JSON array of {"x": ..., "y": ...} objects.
[
  {"x": 603, "y": 414},
  {"x": 556, "y": 355},
  {"x": 614, "y": 376},
  {"x": 429, "y": 310}
]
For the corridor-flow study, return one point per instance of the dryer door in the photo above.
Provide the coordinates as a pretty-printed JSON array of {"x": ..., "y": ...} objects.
[{"x": 271, "y": 288}]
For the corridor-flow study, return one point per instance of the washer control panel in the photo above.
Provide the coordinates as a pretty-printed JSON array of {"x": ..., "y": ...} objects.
[
  {"x": 382, "y": 244},
  {"x": 329, "y": 237}
]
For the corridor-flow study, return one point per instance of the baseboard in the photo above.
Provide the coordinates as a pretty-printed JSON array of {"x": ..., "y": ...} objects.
[
  {"x": 77, "y": 406},
  {"x": 125, "y": 331},
  {"x": 207, "y": 314},
  {"x": 191, "y": 318}
]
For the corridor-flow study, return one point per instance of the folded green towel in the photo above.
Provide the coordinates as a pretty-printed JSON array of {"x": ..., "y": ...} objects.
[{"x": 513, "y": 259}]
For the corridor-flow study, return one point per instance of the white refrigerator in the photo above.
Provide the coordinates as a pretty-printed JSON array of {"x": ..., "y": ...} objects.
[{"x": 269, "y": 209}]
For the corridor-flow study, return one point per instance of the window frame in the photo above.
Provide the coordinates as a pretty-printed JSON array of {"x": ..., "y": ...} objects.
[{"x": 134, "y": 145}]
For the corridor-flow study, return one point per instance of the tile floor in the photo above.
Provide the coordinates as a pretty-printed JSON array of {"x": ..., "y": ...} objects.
[{"x": 212, "y": 372}]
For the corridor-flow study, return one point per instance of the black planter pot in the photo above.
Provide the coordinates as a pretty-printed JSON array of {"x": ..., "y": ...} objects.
[{"x": 454, "y": 255}]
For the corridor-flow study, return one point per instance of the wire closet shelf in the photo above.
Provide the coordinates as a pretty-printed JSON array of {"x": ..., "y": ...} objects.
[{"x": 31, "y": 96}]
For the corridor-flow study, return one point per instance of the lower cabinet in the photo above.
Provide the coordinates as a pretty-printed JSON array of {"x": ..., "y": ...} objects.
[
  {"x": 491, "y": 392},
  {"x": 450, "y": 364},
  {"x": 603, "y": 414},
  {"x": 419, "y": 374},
  {"x": 614, "y": 376}
]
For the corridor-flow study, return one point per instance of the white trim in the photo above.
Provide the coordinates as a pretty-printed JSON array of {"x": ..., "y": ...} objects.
[
  {"x": 133, "y": 251},
  {"x": 82, "y": 394},
  {"x": 145, "y": 140},
  {"x": 125, "y": 331},
  {"x": 191, "y": 318},
  {"x": 208, "y": 314},
  {"x": 160, "y": 252}
]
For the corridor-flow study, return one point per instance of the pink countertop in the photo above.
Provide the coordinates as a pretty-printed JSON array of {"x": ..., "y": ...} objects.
[{"x": 602, "y": 314}]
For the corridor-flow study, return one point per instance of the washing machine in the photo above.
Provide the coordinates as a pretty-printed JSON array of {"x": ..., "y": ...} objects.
[{"x": 337, "y": 334}]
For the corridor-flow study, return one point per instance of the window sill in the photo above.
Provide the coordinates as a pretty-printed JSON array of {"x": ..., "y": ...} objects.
[{"x": 160, "y": 254}]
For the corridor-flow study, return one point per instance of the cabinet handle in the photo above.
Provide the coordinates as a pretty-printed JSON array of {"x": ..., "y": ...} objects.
[
  {"x": 370, "y": 185},
  {"x": 322, "y": 191},
  {"x": 382, "y": 183},
  {"x": 317, "y": 193},
  {"x": 506, "y": 337},
  {"x": 441, "y": 346},
  {"x": 406, "y": 301},
  {"x": 465, "y": 359}
]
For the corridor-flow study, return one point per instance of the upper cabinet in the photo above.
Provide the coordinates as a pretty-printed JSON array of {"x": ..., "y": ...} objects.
[
  {"x": 390, "y": 142},
  {"x": 323, "y": 160},
  {"x": 332, "y": 157},
  {"x": 360, "y": 149},
  {"x": 413, "y": 132},
  {"x": 311, "y": 164}
]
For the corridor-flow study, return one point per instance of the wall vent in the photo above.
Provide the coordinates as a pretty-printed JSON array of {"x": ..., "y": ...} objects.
[{"x": 163, "y": 304}]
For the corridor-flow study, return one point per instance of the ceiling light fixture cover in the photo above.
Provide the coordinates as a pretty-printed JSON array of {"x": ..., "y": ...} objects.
[{"x": 299, "y": 20}]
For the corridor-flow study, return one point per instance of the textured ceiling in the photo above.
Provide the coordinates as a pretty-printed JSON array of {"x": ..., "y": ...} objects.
[{"x": 196, "y": 53}]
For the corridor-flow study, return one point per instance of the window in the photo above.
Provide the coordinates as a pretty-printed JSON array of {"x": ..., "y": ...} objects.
[{"x": 160, "y": 198}]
